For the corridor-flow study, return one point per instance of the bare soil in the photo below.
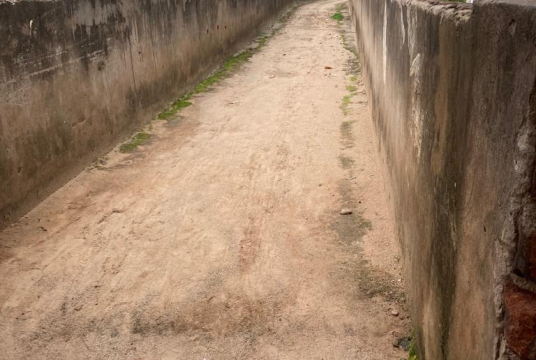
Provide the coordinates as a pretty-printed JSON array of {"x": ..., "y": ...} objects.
[{"x": 221, "y": 238}]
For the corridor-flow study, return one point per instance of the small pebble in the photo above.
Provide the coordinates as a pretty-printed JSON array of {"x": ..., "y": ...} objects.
[
  {"x": 394, "y": 313},
  {"x": 346, "y": 212}
]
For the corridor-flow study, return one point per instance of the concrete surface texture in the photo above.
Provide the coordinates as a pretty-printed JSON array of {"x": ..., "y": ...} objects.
[
  {"x": 77, "y": 75},
  {"x": 222, "y": 237},
  {"x": 453, "y": 96}
]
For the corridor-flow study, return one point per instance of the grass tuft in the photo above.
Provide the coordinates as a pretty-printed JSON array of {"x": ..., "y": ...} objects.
[
  {"x": 412, "y": 355},
  {"x": 230, "y": 65},
  {"x": 346, "y": 101},
  {"x": 175, "y": 108},
  {"x": 337, "y": 16},
  {"x": 131, "y": 145}
]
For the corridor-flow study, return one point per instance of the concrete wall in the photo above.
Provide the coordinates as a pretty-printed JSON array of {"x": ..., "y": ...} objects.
[
  {"x": 75, "y": 75},
  {"x": 452, "y": 89}
]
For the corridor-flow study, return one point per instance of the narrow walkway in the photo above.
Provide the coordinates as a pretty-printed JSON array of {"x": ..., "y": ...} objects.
[{"x": 222, "y": 237}]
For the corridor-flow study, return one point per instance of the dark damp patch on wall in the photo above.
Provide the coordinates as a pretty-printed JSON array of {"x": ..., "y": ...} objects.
[
  {"x": 76, "y": 75},
  {"x": 451, "y": 89}
]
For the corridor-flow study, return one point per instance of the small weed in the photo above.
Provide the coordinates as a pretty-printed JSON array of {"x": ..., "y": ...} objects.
[
  {"x": 337, "y": 16},
  {"x": 412, "y": 355},
  {"x": 353, "y": 79},
  {"x": 351, "y": 88},
  {"x": 206, "y": 84},
  {"x": 230, "y": 65},
  {"x": 346, "y": 101},
  {"x": 343, "y": 40},
  {"x": 175, "y": 107},
  {"x": 261, "y": 40},
  {"x": 234, "y": 62},
  {"x": 131, "y": 145}
]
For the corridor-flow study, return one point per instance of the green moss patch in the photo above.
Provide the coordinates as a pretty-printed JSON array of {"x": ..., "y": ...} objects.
[
  {"x": 230, "y": 65},
  {"x": 337, "y": 16},
  {"x": 131, "y": 145},
  {"x": 175, "y": 108},
  {"x": 346, "y": 101},
  {"x": 412, "y": 355}
]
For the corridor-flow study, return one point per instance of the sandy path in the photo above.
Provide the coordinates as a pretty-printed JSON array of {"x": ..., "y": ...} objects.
[{"x": 221, "y": 239}]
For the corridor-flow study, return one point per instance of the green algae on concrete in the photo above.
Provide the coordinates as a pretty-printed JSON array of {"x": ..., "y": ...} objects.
[{"x": 137, "y": 140}]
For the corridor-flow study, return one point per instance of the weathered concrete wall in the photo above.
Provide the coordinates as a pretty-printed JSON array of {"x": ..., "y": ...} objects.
[
  {"x": 75, "y": 75},
  {"x": 452, "y": 88}
]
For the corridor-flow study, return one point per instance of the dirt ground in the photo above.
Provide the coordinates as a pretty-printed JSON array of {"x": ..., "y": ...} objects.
[{"x": 222, "y": 237}]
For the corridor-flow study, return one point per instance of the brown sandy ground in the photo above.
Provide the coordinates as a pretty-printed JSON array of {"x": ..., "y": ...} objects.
[{"x": 221, "y": 238}]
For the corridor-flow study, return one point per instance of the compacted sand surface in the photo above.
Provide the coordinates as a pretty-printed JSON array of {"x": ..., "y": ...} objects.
[{"x": 222, "y": 237}]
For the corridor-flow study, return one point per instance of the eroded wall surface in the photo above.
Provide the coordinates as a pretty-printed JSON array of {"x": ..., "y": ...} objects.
[
  {"x": 452, "y": 88},
  {"x": 75, "y": 75}
]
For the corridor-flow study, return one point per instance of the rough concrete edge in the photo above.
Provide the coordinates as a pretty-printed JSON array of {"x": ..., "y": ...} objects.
[
  {"x": 522, "y": 204},
  {"x": 18, "y": 1},
  {"x": 516, "y": 3},
  {"x": 455, "y": 12},
  {"x": 519, "y": 222},
  {"x": 520, "y": 199},
  {"x": 444, "y": 9}
]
